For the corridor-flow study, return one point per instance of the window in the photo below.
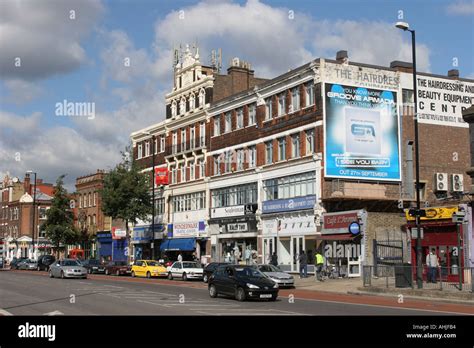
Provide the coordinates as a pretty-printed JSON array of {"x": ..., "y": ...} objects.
[
  {"x": 160, "y": 206},
  {"x": 190, "y": 201},
  {"x": 252, "y": 114},
  {"x": 290, "y": 186},
  {"x": 269, "y": 152},
  {"x": 174, "y": 175},
  {"x": 183, "y": 173},
  {"x": 217, "y": 165},
  {"x": 201, "y": 168},
  {"x": 42, "y": 213},
  {"x": 268, "y": 108},
  {"x": 174, "y": 142},
  {"x": 240, "y": 159},
  {"x": 217, "y": 125},
  {"x": 234, "y": 195},
  {"x": 155, "y": 146},
  {"x": 309, "y": 96},
  {"x": 295, "y": 99},
  {"x": 202, "y": 134},
  {"x": 309, "y": 141},
  {"x": 295, "y": 146},
  {"x": 281, "y": 149},
  {"x": 90, "y": 200},
  {"x": 85, "y": 201},
  {"x": 282, "y": 104},
  {"x": 228, "y": 122},
  {"x": 228, "y": 162},
  {"x": 162, "y": 143},
  {"x": 95, "y": 199},
  {"x": 93, "y": 220},
  {"x": 147, "y": 149},
  {"x": 80, "y": 201},
  {"x": 192, "y": 135},
  {"x": 139, "y": 152},
  {"x": 191, "y": 170},
  {"x": 183, "y": 139},
  {"x": 252, "y": 154},
  {"x": 240, "y": 118}
]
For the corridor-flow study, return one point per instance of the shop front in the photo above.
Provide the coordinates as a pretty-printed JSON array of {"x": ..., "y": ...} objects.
[
  {"x": 341, "y": 242},
  {"x": 142, "y": 243},
  {"x": 288, "y": 228},
  {"x": 186, "y": 238},
  {"x": 440, "y": 233}
]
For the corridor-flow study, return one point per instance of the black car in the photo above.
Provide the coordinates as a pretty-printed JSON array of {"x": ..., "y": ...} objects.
[
  {"x": 14, "y": 263},
  {"x": 242, "y": 282},
  {"x": 210, "y": 268},
  {"x": 44, "y": 262},
  {"x": 93, "y": 266}
]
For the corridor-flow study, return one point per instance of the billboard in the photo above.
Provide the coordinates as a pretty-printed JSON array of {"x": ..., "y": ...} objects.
[{"x": 362, "y": 135}]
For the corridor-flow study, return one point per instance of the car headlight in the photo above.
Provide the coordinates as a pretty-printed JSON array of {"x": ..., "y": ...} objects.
[
  {"x": 252, "y": 286},
  {"x": 275, "y": 286}
]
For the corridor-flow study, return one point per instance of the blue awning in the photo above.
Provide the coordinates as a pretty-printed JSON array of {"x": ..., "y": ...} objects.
[{"x": 183, "y": 244}]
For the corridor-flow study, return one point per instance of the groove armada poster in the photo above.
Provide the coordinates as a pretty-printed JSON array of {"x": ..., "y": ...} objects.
[{"x": 362, "y": 133}]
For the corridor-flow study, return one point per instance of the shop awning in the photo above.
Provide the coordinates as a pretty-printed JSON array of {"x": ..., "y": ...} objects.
[
  {"x": 340, "y": 236},
  {"x": 182, "y": 244}
]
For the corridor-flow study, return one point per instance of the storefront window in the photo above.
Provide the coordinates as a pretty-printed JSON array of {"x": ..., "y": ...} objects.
[
  {"x": 290, "y": 186},
  {"x": 188, "y": 202}
]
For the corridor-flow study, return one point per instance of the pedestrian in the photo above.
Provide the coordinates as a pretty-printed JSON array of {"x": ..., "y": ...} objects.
[
  {"x": 303, "y": 259},
  {"x": 248, "y": 255},
  {"x": 319, "y": 263},
  {"x": 180, "y": 257},
  {"x": 274, "y": 260},
  {"x": 433, "y": 264}
]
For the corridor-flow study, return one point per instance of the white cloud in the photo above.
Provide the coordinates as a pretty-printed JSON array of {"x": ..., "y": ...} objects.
[
  {"x": 43, "y": 36},
  {"x": 465, "y": 8},
  {"x": 21, "y": 92}
]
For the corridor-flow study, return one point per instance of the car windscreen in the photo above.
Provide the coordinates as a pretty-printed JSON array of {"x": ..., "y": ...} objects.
[
  {"x": 250, "y": 272},
  {"x": 190, "y": 265},
  {"x": 70, "y": 263},
  {"x": 93, "y": 262}
]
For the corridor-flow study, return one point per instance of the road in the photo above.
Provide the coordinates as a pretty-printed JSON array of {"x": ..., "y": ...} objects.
[{"x": 34, "y": 293}]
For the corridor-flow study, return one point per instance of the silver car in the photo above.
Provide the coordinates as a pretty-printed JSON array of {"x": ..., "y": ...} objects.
[
  {"x": 28, "y": 265},
  {"x": 277, "y": 275},
  {"x": 67, "y": 268}
]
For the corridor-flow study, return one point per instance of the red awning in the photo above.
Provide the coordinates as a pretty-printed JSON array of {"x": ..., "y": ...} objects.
[{"x": 341, "y": 236}]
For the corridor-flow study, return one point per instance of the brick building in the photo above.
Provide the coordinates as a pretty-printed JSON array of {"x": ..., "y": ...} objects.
[
  {"x": 291, "y": 162},
  {"x": 16, "y": 217}
]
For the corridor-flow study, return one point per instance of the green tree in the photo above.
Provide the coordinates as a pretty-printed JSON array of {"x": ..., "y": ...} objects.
[
  {"x": 59, "y": 226},
  {"x": 126, "y": 193}
]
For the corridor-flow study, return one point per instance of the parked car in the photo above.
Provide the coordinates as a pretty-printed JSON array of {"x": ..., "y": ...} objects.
[
  {"x": 44, "y": 262},
  {"x": 15, "y": 261},
  {"x": 210, "y": 268},
  {"x": 277, "y": 275},
  {"x": 27, "y": 265},
  {"x": 93, "y": 266},
  {"x": 118, "y": 268},
  {"x": 148, "y": 268},
  {"x": 185, "y": 270},
  {"x": 242, "y": 282},
  {"x": 67, "y": 268}
]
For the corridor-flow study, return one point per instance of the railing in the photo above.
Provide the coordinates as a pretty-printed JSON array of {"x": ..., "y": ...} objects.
[
  {"x": 192, "y": 145},
  {"x": 404, "y": 276}
]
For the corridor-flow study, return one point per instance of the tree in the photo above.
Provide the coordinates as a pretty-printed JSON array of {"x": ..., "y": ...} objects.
[
  {"x": 126, "y": 194},
  {"x": 59, "y": 226}
]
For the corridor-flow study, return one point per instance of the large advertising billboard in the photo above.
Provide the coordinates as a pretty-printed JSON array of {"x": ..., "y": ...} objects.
[{"x": 362, "y": 136}]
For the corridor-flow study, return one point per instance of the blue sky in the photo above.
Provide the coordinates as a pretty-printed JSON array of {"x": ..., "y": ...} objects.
[{"x": 81, "y": 60}]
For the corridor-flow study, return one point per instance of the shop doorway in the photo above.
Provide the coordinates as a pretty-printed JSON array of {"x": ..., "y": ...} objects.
[
  {"x": 269, "y": 247},
  {"x": 448, "y": 256},
  {"x": 297, "y": 244}
]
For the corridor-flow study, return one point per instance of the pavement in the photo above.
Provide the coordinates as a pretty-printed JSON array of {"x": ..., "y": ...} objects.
[{"x": 34, "y": 293}]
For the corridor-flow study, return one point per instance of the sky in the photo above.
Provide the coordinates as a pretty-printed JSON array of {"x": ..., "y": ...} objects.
[{"x": 117, "y": 56}]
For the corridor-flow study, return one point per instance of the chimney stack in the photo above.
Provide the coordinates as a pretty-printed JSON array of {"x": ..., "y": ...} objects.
[
  {"x": 453, "y": 73},
  {"x": 342, "y": 56},
  {"x": 241, "y": 75},
  {"x": 27, "y": 184}
]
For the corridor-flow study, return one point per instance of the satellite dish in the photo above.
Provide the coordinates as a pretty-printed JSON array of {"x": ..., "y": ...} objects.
[{"x": 15, "y": 180}]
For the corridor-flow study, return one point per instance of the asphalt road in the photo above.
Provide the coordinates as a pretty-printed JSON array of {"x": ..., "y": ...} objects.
[{"x": 34, "y": 293}]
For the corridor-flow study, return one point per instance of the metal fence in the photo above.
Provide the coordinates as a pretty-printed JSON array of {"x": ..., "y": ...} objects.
[{"x": 404, "y": 276}]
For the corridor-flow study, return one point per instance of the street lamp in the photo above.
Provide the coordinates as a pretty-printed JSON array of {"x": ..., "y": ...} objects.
[
  {"x": 34, "y": 214},
  {"x": 419, "y": 266},
  {"x": 153, "y": 190}
]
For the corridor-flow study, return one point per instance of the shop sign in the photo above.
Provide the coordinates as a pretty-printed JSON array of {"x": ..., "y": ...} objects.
[
  {"x": 186, "y": 229},
  {"x": 118, "y": 233},
  {"x": 237, "y": 210},
  {"x": 340, "y": 222},
  {"x": 435, "y": 213},
  {"x": 281, "y": 205},
  {"x": 142, "y": 235},
  {"x": 238, "y": 227}
]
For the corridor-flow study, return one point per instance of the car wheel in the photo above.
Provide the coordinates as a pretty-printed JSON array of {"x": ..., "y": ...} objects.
[
  {"x": 62, "y": 275},
  {"x": 274, "y": 297},
  {"x": 240, "y": 294},
  {"x": 170, "y": 276},
  {"x": 205, "y": 278},
  {"x": 133, "y": 274},
  {"x": 85, "y": 277},
  {"x": 51, "y": 274},
  {"x": 106, "y": 272},
  {"x": 185, "y": 277},
  {"x": 213, "y": 291},
  {"x": 117, "y": 273},
  {"x": 148, "y": 275}
]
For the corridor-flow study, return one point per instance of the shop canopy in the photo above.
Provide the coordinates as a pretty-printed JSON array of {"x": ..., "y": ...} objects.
[{"x": 181, "y": 244}]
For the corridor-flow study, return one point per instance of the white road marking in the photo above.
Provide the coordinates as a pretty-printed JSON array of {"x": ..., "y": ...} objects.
[
  {"x": 54, "y": 313},
  {"x": 4, "y": 312}
]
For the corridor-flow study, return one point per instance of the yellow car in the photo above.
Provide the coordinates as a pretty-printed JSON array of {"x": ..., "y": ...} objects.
[{"x": 148, "y": 268}]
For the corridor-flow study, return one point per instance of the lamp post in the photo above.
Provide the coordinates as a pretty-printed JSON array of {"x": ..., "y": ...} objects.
[
  {"x": 419, "y": 266},
  {"x": 153, "y": 193},
  {"x": 34, "y": 214}
]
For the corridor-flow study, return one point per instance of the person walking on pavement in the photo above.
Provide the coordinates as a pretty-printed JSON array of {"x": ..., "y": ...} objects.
[
  {"x": 274, "y": 259},
  {"x": 180, "y": 257},
  {"x": 433, "y": 264},
  {"x": 319, "y": 262},
  {"x": 303, "y": 259},
  {"x": 248, "y": 255}
]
